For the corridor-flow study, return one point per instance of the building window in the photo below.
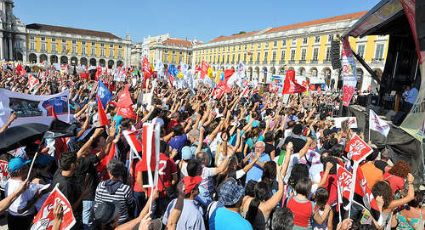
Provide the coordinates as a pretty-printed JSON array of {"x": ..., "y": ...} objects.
[
  {"x": 317, "y": 39},
  {"x": 330, "y": 37},
  {"x": 360, "y": 50},
  {"x": 43, "y": 47},
  {"x": 315, "y": 54},
  {"x": 43, "y": 38},
  {"x": 282, "y": 58},
  {"x": 305, "y": 41},
  {"x": 293, "y": 55},
  {"x": 32, "y": 43},
  {"x": 259, "y": 46},
  {"x": 111, "y": 50},
  {"x": 283, "y": 42},
  {"x": 83, "y": 48},
  {"x": 328, "y": 54},
  {"x": 275, "y": 43},
  {"x": 74, "y": 41},
  {"x": 258, "y": 58},
  {"x": 379, "y": 52},
  {"x": 294, "y": 42},
  {"x": 64, "y": 46},
  {"x": 246, "y": 46},
  {"x": 273, "y": 56},
  {"x": 53, "y": 47},
  {"x": 303, "y": 54},
  {"x": 266, "y": 55}
]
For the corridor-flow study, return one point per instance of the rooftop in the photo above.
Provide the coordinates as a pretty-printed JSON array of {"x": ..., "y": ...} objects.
[
  {"x": 70, "y": 30},
  {"x": 177, "y": 42},
  {"x": 291, "y": 27}
]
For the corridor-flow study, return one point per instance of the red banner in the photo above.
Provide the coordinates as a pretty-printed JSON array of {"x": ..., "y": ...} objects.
[
  {"x": 45, "y": 217},
  {"x": 358, "y": 149},
  {"x": 344, "y": 181}
]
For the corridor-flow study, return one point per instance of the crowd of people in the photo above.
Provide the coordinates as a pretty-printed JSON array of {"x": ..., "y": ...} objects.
[{"x": 248, "y": 160}]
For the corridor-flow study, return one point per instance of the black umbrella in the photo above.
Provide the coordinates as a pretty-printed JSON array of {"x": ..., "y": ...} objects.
[{"x": 21, "y": 135}]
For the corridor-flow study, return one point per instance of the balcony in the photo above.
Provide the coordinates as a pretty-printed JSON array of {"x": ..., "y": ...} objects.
[
  {"x": 302, "y": 61},
  {"x": 315, "y": 61},
  {"x": 282, "y": 62},
  {"x": 291, "y": 62}
]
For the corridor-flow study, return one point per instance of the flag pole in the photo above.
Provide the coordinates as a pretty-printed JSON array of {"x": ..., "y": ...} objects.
[{"x": 32, "y": 165}]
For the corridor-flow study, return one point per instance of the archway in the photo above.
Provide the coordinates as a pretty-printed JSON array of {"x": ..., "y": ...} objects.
[
  {"x": 359, "y": 78},
  {"x": 301, "y": 71},
  {"x": 64, "y": 60},
  {"x": 313, "y": 72},
  {"x": 43, "y": 58},
  {"x": 54, "y": 59},
  {"x": 32, "y": 58},
  {"x": 250, "y": 73},
  {"x": 327, "y": 74},
  {"x": 110, "y": 63},
  {"x": 93, "y": 62},
  {"x": 74, "y": 61},
  {"x": 19, "y": 56},
  {"x": 378, "y": 72},
  {"x": 119, "y": 63},
  {"x": 257, "y": 73},
  {"x": 265, "y": 72},
  {"x": 102, "y": 62},
  {"x": 83, "y": 61}
]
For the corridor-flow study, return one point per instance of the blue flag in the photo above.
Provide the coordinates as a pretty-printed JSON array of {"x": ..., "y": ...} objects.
[
  {"x": 173, "y": 70},
  {"x": 103, "y": 93}
]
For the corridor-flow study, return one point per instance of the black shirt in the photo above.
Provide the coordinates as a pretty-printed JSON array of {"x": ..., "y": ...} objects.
[
  {"x": 86, "y": 174},
  {"x": 297, "y": 142},
  {"x": 69, "y": 186},
  {"x": 269, "y": 148}
]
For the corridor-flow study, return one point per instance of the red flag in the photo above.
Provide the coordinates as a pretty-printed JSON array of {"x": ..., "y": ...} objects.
[
  {"x": 84, "y": 75},
  {"x": 126, "y": 112},
  {"x": 204, "y": 69},
  {"x": 45, "y": 217},
  {"x": 228, "y": 73},
  {"x": 358, "y": 149},
  {"x": 98, "y": 73},
  {"x": 124, "y": 98},
  {"x": 146, "y": 68},
  {"x": 101, "y": 167},
  {"x": 53, "y": 113},
  {"x": 101, "y": 115},
  {"x": 319, "y": 90},
  {"x": 291, "y": 87}
]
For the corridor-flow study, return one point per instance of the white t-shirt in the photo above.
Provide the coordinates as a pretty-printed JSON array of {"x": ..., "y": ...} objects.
[{"x": 23, "y": 199}]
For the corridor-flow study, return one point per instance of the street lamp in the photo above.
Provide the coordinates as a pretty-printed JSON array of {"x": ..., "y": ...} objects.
[{"x": 75, "y": 68}]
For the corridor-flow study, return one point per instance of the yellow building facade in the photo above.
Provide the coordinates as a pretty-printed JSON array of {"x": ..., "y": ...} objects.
[
  {"x": 304, "y": 47},
  {"x": 171, "y": 51},
  {"x": 64, "y": 45}
]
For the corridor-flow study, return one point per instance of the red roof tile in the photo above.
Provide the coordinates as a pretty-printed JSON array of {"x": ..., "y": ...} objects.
[
  {"x": 177, "y": 42},
  {"x": 233, "y": 36},
  {"x": 317, "y": 22},
  {"x": 69, "y": 30}
]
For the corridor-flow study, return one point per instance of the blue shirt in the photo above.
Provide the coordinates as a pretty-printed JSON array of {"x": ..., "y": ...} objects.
[
  {"x": 178, "y": 142},
  {"x": 256, "y": 172},
  {"x": 225, "y": 219},
  {"x": 411, "y": 95}
]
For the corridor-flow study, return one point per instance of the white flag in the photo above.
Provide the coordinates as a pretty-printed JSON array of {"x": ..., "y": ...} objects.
[{"x": 377, "y": 124}]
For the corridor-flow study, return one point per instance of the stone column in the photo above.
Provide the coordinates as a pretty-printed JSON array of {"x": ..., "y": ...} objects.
[
  {"x": 1, "y": 46},
  {"x": 10, "y": 47}
]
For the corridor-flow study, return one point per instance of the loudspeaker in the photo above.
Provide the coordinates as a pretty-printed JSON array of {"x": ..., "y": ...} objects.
[
  {"x": 335, "y": 51},
  {"x": 420, "y": 22}
]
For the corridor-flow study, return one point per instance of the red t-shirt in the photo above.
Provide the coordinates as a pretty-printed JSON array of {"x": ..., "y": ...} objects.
[
  {"x": 331, "y": 186},
  {"x": 166, "y": 169},
  {"x": 138, "y": 168},
  {"x": 396, "y": 182},
  {"x": 303, "y": 211}
]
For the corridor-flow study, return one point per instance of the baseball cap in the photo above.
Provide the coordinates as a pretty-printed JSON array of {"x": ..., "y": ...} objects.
[
  {"x": 230, "y": 192},
  {"x": 187, "y": 153},
  {"x": 106, "y": 212},
  {"x": 17, "y": 163},
  {"x": 190, "y": 183}
]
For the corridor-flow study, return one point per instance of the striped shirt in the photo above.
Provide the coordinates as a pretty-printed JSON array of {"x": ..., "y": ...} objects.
[{"x": 123, "y": 197}]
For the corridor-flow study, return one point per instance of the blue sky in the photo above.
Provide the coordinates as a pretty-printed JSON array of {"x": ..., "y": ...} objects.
[{"x": 203, "y": 20}]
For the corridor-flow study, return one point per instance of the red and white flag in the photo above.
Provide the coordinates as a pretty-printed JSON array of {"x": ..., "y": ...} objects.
[
  {"x": 377, "y": 124},
  {"x": 45, "y": 217},
  {"x": 132, "y": 140},
  {"x": 146, "y": 68},
  {"x": 358, "y": 149},
  {"x": 32, "y": 81},
  {"x": 204, "y": 69},
  {"x": 150, "y": 157},
  {"x": 112, "y": 154}
]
